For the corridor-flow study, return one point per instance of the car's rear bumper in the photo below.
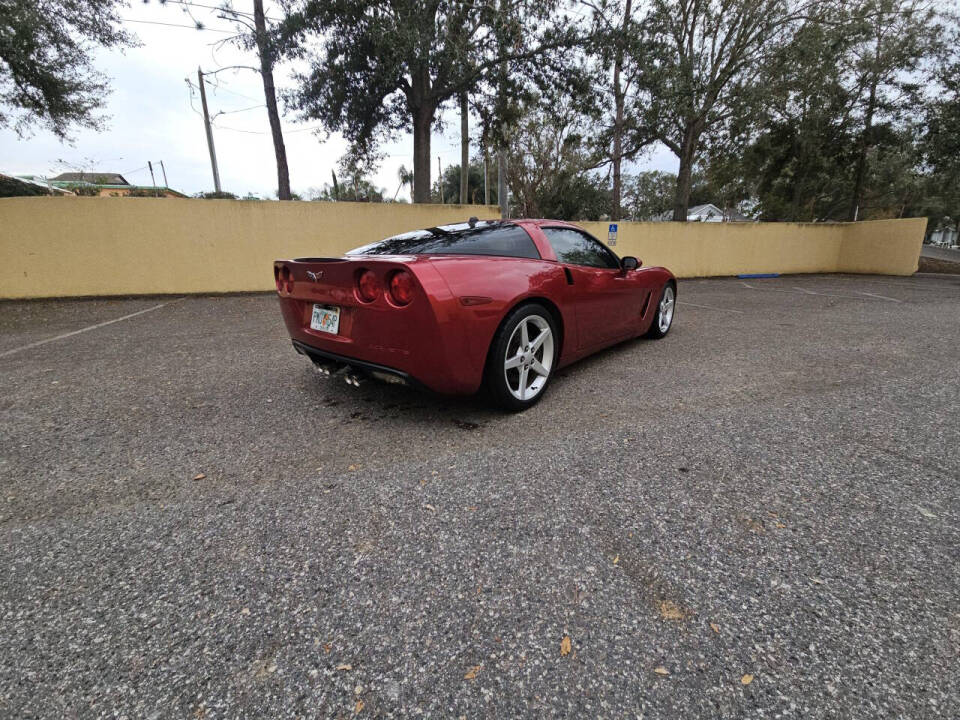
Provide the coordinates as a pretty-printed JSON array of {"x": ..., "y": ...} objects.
[
  {"x": 406, "y": 342},
  {"x": 325, "y": 357}
]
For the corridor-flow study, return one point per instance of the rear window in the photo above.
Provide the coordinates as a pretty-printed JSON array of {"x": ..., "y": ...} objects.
[{"x": 484, "y": 238}]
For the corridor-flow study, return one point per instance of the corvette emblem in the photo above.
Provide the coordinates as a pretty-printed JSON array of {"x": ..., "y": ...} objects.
[{"x": 315, "y": 276}]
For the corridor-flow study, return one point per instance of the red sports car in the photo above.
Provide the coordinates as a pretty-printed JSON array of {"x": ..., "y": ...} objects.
[{"x": 501, "y": 304}]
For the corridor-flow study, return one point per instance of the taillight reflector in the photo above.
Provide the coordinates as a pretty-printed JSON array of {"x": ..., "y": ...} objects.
[
  {"x": 401, "y": 287},
  {"x": 367, "y": 286}
]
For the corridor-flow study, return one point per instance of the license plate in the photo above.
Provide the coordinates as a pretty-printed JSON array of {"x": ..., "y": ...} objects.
[{"x": 325, "y": 319}]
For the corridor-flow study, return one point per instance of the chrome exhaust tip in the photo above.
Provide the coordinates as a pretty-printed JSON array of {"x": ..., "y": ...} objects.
[{"x": 324, "y": 369}]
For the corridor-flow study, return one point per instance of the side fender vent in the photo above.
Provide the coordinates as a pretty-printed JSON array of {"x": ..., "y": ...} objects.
[
  {"x": 646, "y": 305},
  {"x": 566, "y": 271}
]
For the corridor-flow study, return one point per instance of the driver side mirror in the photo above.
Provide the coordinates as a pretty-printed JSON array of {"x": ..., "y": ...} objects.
[{"x": 629, "y": 263}]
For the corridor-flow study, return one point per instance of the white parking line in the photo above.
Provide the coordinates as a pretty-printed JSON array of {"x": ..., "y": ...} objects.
[
  {"x": 86, "y": 329},
  {"x": 708, "y": 307},
  {"x": 796, "y": 289},
  {"x": 918, "y": 281},
  {"x": 882, "y": 297}
]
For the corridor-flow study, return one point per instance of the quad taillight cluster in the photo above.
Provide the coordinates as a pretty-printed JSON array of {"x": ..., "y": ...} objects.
[
  {"x": 284, "y": 278},
  {"x": 399, "y": 289}
]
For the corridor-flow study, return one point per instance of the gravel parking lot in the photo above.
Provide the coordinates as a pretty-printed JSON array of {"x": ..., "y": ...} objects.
[{"x": 757, "y": 516}]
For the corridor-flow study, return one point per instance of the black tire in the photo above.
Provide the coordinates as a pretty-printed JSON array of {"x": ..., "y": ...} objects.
[
  {"x": 655, "y": 332},
  {"x": 498, "y": 379}
]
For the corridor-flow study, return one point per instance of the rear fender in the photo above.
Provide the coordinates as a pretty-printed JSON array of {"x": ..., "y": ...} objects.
[{"x": 486, "y": 289}]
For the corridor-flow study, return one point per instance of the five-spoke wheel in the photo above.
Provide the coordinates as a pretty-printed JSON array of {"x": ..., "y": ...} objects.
[
  {"x": 529, "y": 357},
  {"x": 522, "y": 357},
  {"x": 665, "y": 312}
]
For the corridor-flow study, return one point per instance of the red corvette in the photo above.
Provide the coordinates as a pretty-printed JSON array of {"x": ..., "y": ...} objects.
[{"x": 501, "y": 304}]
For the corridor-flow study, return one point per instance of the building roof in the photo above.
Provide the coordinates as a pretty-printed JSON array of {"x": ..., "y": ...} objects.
[
  {"x": 708, "y": 212},
  {"x": 705, "y": 210},
  {"x": 11, "y": 186},
  {"x": 92, "y": 178}
]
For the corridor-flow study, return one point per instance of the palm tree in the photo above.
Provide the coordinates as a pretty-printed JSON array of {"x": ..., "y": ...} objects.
[{"x": 405, "y": 177}]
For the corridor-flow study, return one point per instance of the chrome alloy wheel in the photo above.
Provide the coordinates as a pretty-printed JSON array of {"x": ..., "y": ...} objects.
[
  {"x": 529, "y": 357},
  {"x": 665, "y": 316}
]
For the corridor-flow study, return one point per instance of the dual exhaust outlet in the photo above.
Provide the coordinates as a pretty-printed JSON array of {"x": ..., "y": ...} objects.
[{"x": 332, "y": 370}]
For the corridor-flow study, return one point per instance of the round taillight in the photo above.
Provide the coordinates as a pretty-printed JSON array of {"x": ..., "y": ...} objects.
[
  {"x": 367, "y": 286},
  {"x": 401, "y": 287}
]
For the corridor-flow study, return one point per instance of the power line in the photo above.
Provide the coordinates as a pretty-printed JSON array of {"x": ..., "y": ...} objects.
[
  {"x": 190, "y": 85},
  {"x": 248, "y": 132},
  {"x": 203, "y": 28},
  {"x": 230, "y": 112},
  {"x": 131, "y": 172},
  {"x": 264, "y": 132},
  {"x": 306, "y": 129},
  {"x": 218, "y": 9},
  {"x": 217, "y": 87}
]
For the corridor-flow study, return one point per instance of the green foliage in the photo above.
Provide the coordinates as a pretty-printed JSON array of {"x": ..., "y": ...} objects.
[
  {"x": 383, "y": 67},
  {"x": 11, "y": 187},
  {"x": 358, "y": 190},
  {"x": 451, "y": 185},
  {"x": 222, "y": 195},
  {"x": 940, "y": 145},
  {"x": 46, "y": 73},
  {"x": 703, "y": 76},
  {"x": 575, "y": 196},
  {"x": 82, "y": 189},
  {"x": 551, "y": 167},
  {"x": 834, "y": 137}
]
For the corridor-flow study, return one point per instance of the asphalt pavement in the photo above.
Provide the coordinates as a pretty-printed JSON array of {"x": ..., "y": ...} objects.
[
  {"x": 941, "y": 253},
  {"x": 756, "y": 516}
]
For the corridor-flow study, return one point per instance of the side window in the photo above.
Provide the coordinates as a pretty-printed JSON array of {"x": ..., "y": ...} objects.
[
  {"x": 504, "y": 240},
  {"x": 578, "y": 248}
]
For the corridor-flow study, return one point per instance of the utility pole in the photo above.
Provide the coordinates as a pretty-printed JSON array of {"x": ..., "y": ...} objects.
[
  {"x": 153, "y": 180},
  {"x": 164, "y": 171},
  {"x": 464, "y": 148},
  {"x": 206, "y": 124},
  {"x": 502, "y": 182},
  {"x": 440, "y": 179},
  {"x": 486, "y": 189},
  {"x": 502, "y": 139}
]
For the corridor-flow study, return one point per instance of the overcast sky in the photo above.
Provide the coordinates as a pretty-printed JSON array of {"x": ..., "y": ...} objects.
[{"x": 150, "y": 117}]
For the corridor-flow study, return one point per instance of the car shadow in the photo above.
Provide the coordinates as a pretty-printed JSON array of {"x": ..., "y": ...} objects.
[
  {"x": 376, "y": 401},
  {"x": 602, "y": 356}
]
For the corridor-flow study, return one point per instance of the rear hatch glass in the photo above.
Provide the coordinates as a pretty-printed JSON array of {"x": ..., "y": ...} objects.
[{"x": 481, "y": 238}]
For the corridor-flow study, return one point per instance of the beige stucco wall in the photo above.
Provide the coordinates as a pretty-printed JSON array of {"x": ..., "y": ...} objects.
[
  {"x": 884, "y": 247},
  {"x": 706, "y": 249},
  {"x": 137, "y": 246},
  {"x": 62, "y": 247}
]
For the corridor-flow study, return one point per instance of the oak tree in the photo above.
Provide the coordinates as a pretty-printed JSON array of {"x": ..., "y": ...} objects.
[
  {"x": 376, "y": 68},
  {"x": 47, "y": 76}
]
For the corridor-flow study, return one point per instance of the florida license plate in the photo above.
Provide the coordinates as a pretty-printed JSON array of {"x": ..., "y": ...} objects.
[{"x": 325, "y": 318}]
